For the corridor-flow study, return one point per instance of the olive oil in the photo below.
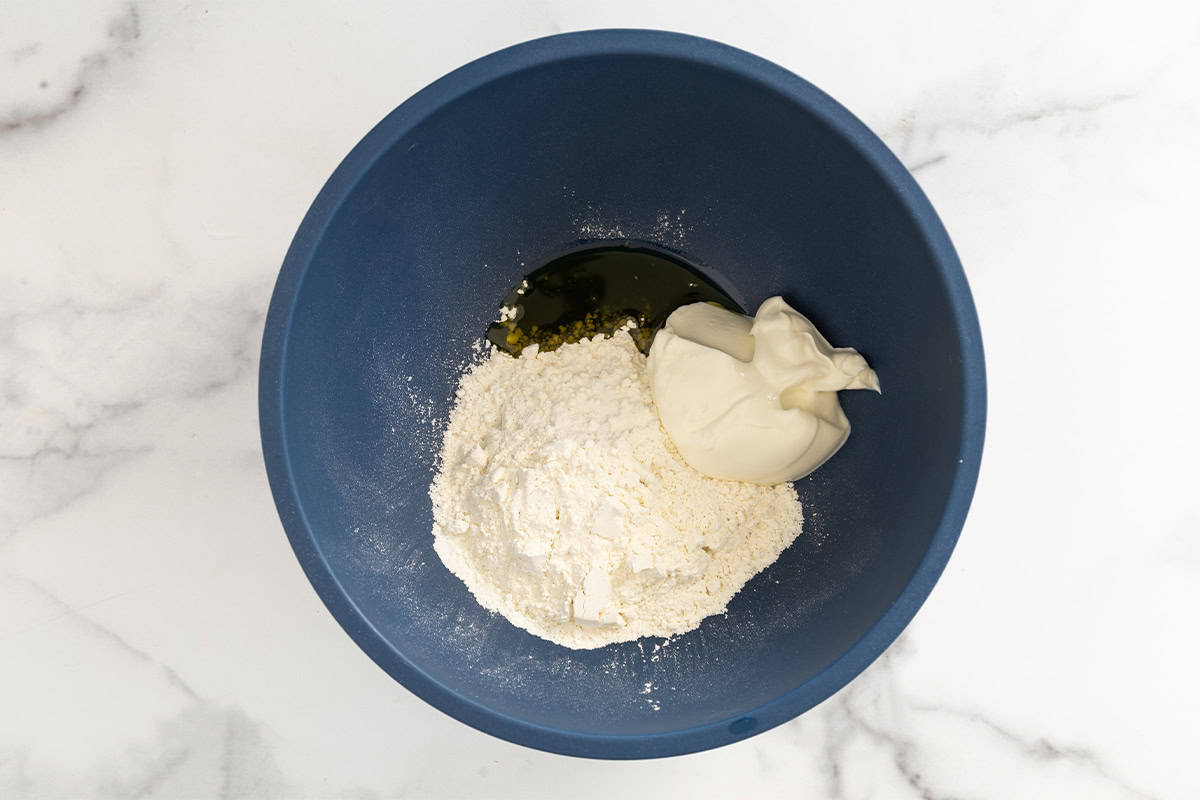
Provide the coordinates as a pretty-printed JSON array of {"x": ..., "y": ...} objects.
[{"x": 596, "y": 291}]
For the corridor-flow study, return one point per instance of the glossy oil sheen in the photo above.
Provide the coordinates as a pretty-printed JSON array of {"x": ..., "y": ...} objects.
[
  {"x": 594, "y": 290},
  {"x": 398, "y": 268}
]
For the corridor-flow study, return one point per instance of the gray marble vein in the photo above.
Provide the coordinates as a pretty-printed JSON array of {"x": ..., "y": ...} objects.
[
  {"x": 926, "y": 163},
  {"x": 1041, "y": 749},
  {"x": 241, "y": 360},
  {"x": 157, "y": 774},
  {"x": 122, "y": 33},
  {"x": 109, "y": 635},
  {"x": 878, "y": 712},
  {"x": 22, "y": 53},
  {"x": 1046, "y": 112}
]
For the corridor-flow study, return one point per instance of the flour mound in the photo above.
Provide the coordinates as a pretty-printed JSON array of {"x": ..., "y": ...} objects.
[{"x": 561, "y": 503}]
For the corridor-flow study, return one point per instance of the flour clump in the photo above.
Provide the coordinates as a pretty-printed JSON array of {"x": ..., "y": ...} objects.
[{"x": 562, "y": 504}]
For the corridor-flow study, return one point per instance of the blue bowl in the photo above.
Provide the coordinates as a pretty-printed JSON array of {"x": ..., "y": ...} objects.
[{"x": 767, "y": 186}]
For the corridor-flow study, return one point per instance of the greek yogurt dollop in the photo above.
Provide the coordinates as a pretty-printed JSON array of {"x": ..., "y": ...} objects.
[{"x": 752, "y": 399}]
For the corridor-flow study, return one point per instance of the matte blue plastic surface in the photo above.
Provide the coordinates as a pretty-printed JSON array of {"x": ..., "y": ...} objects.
[{"x": 747, "y": 171}]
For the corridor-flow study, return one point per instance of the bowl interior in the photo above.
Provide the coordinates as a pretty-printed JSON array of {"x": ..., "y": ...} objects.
[{"x": 398, "y": 280}]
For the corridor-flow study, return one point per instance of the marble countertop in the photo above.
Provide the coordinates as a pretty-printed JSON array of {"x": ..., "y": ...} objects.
[{"x": 155, "y": 159}]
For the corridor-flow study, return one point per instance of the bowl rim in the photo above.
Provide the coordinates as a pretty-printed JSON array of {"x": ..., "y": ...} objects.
[{"x": 341, "y": 183}]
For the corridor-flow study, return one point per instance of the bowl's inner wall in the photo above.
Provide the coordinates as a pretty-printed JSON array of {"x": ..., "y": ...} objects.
[{"x": 740, "y": 180}]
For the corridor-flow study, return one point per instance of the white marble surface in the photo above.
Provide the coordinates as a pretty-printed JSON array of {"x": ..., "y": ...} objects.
[{"x": 155, "y": 158}]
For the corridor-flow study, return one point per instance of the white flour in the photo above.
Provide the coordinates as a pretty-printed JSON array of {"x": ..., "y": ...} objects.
[{"x": 562, "y": 504}]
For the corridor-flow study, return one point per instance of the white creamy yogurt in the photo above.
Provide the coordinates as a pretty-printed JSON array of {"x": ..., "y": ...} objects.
[{"x": 752, "y": 399}]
